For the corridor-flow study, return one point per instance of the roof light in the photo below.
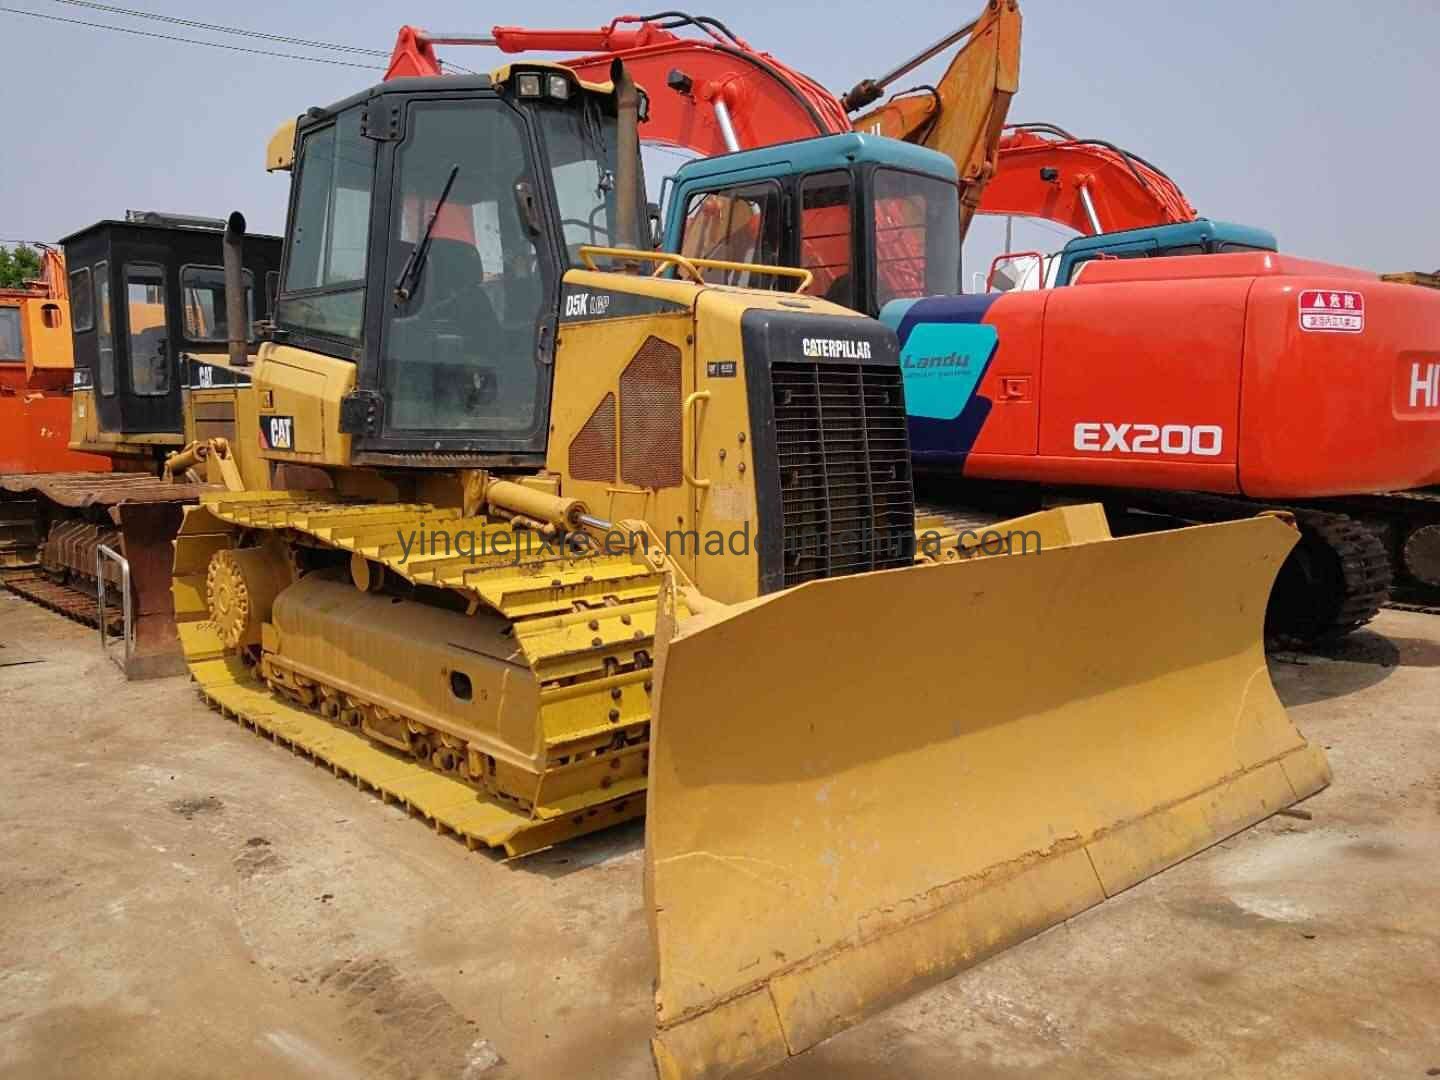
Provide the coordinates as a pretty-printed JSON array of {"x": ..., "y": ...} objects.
[
  {"x": 528, "y": 85},
  {"x": 559, "y": 87}
]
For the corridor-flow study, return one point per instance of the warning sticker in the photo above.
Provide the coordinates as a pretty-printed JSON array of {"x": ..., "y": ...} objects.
[{"x": 1332, "y": 309}]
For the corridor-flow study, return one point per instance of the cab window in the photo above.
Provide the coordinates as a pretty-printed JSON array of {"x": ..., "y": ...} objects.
[
  {"x": 741, "y": 225},
  {"x": 460, "y": 347},
  {"x": 825, "y": 236},
  {"x": 581, "y": 146},
  {"x": 104, "y": 331},
  {"x": 323, "y": 292},
  {"x": 202, "y": 291},
  {"x": 82, "y": 302},
  {"x": 917, "y": 237},
  {"x": 10, "y": 344},
  {"x": 145, "y": 323}
]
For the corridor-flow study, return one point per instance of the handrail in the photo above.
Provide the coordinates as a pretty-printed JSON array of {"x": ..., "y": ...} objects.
[
  {"x": 687, "y": 439},
  {"x": 691, "y": 266},
  {"x": 127, "y": 624}
]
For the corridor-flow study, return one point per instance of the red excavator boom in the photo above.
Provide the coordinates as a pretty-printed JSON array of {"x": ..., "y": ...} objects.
[
  {"x": 722, "y": 94},
  {"x": 1088, "y": 184}
]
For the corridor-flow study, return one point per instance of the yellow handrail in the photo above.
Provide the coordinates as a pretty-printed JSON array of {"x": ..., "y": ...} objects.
[
  {"x": 691, "y": 266},
  {"x": 687, "y": 438}
]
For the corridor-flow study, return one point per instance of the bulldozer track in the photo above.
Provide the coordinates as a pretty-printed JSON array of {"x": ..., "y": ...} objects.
[
  {"x": 67, "y": 600},
  {"x": 449, "y": 806},
  {"x": 585, "y": 623}
]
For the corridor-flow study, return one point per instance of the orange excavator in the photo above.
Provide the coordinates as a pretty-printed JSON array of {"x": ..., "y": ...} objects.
[{"x": 36, "y": 366}]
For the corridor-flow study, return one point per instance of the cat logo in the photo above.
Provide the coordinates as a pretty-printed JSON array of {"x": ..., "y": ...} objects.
[{"x": 277, "y": 432}]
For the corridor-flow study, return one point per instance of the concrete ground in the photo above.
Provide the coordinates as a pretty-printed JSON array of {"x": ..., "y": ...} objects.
[{"x": 181, "y": 899}]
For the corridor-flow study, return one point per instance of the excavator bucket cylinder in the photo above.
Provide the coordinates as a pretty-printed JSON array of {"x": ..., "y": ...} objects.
[{"x": 863, "y": 785}]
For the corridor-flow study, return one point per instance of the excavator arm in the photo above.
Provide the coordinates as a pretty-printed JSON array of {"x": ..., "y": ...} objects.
[
  {"x": 711, "y": 95},
  {"x": 963, "y": 115},
  {"x": 1088, "y": 184},
  {"x": 716, "y": 93}
]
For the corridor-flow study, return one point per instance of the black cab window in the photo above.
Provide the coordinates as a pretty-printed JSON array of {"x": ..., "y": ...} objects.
[
  {"x": 82, "y": 301},
  {"x": 202, "y": 291},
  {"x": 105, "y": 331},
  {"x": 145, "y": 323}
]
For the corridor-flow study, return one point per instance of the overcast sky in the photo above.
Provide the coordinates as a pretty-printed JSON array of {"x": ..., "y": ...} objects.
[{"x": 1314, "y": 118}]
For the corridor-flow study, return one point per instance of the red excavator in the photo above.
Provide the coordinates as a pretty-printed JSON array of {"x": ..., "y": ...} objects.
[{"x": 1296, "y": 431}]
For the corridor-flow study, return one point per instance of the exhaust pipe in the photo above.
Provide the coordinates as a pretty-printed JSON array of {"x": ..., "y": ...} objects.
[
  {"x": 630, "y": 204},
  {"x": 237, "y": 318}
]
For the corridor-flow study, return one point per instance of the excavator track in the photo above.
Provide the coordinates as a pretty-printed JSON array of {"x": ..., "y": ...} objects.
[
  {"x": 1363, "y": 565},
  {"x": 582, "y": 622}
]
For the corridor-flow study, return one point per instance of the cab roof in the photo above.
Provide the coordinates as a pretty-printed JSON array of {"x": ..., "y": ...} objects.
[
  {"x": 824, "y": 152},
  {"x": 1185, "y": 232}
]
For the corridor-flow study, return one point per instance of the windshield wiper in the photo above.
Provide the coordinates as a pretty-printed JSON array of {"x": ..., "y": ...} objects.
[{"x": 410, "y": 273}]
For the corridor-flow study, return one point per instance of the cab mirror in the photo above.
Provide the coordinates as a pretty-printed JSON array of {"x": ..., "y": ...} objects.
[{"x": 657, "y": 230}]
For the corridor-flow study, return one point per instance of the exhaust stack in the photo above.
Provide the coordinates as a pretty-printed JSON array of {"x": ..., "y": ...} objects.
[
  {"x": 237, "y": 319},
  {"x": 630, "y": 204}
]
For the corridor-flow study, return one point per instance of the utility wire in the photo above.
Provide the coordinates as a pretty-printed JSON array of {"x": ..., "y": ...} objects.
[
  {"x": 193, "y": 25},
  {"x": 193, "y": 41}
]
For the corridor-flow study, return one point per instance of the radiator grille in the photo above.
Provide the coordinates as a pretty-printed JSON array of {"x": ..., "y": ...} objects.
[
  {"x": 650, "y": 416},
  {"x": 844, "y": 461},
  {"x": 592, "y": 451}
]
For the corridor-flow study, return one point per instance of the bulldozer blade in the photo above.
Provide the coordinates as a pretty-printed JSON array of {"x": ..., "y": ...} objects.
[{"x": 863, "y": 785}]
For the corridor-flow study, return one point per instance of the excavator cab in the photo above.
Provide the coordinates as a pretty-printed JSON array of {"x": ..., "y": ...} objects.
[
  {"x": 872, "y": 218},
  {"x": 148, "y": 320}
]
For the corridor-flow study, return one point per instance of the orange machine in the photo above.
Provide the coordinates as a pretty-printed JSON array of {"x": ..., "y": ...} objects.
[{"x": 36, "y": 367}]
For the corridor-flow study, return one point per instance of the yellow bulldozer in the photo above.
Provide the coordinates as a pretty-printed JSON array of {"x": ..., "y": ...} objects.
[{"x": 561, "y": 534}]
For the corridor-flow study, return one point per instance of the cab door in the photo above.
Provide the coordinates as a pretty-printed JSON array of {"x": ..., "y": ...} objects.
[
  {"x": 146, "y": 354},
  {"x": 466, "y": 337}
]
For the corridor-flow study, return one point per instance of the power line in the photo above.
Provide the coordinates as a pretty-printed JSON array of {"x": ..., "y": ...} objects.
[
  {"x": 192, "y": 41},
  {"x": 215, "y": 27}
]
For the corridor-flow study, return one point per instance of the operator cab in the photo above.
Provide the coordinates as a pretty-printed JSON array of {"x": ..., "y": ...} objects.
[
  {"x": 1019, "y": 271},
  {"x": 147, "y": 303},
  {"x": 874, "y": 219},
  {"x": 431, "y": 220}
]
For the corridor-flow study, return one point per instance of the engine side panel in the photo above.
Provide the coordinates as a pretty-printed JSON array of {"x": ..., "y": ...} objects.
[{"x": 1347, "y": 406}]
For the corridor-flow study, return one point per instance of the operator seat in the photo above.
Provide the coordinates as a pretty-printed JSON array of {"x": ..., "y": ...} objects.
[
  {"x": 455, "y": 276},
  {"x": 464, "y": 334}
]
